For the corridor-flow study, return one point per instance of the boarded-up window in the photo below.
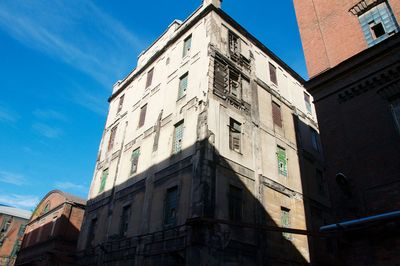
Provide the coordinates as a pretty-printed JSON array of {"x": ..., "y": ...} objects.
[
  {"x": 178, "y": 137},
  {"x": 149, "y": 77},
  {"x": 235, "y": 203},
  {"x": 234, "y": 44},
  {"x": 103, "y": 180},
  {"x": 187, "y": 44},
  {"x": 142, "y": 117},
  {"x": 285, "y": 221},
  {"x": 120, "y": 103},
  {"x": 112, "y": 138},
  {"x": 272, "y": 74},
  {"x": 307, "y": 101},
  {"x": 314, "y": 139},
  {"x": 125, "y": 215},
  {"x": 170, "y": 206},
  {"x": 282, "y": 161},
  {"x": 276, "y": 114},
  {"x": 135, "y": 160},
  {"x": 183, "y": 83},
  {"x": 234, "y": 135}
]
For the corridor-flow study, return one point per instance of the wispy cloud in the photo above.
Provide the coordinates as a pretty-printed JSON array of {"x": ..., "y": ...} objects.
[
  {"x": 49, "y": 114},
  {"x": 20, "y": 201},
  {"x": 46, "y": 130},
  {"x": 92, "y": 101},
  {"x": 7, "y": 115},
  {"x": 76, "y": 32},
  {"x": 71, "y": 186},
  {"x": 12, "y": 178}
]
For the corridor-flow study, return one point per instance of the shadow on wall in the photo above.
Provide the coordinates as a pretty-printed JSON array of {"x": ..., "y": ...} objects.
[
  {"x": 53, "y": 243},
  {"x": 195, "y": 208}
]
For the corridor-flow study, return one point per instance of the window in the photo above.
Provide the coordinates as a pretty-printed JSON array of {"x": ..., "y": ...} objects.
[
  {"x": 112, "y": 138},
  {"x": 103, "y": 180},
  {"x": 320, "y": 182},
  {"x": 46, "y": 208},
  {"x": 272, "y": 74},
  {"x": 170, "y": 208},
  {"x": 21, "y": 230},
  {"x": 142, "y": 117},
  {"x": 285, "y": 221},
  {"x": 234, "y": 45},
  {"x": 396, "y": 112},
  {"x": 6, "y": 224},
  {"x": 183, "y": 83},
  {"x": 149, "y": 77},
  {"x": 91, "y": 233},
  {"x": 235, "y": 203},
  {"x": 135, "y": 160},
  {"x": 125, "y": 215},
  {"x": 377, "y": 22},
  {"x": 178, "y": 137},
  {"x": 276, "y": 114},
  {"x": 307, "y": 101},
  {"x": 227, "y": 80},
  {"x": 187, "y": 44},
  {"x": 15, "y": 249},
  {"x": 282, "y": 161},
  {"x": 314, "y": 139},
  {"x": 120, "y": 103},
  {"x": 234, "y": 135}
]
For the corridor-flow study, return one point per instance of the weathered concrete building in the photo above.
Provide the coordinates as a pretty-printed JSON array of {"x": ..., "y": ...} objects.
[
  {"x": 352, "y": 49},
  {"x": 12, "y": 227},
  {"x": 210, "y": 155},
  {"x": 52, "y": 232}
]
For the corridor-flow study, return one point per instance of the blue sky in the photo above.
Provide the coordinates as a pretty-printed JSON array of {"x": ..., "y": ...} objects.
[{"x": 58, "y": 62}]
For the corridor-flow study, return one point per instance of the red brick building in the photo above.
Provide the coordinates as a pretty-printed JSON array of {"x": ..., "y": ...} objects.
[
  {"x": 12, "y": 227},
  {"x": 352, "y": 49},
  {"x": 52, "y": 232}
]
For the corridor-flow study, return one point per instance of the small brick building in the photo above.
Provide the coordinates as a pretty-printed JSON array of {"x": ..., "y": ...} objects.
[
  {"x": 12, "y": 227},
  {"x": 52, "y": 232}
]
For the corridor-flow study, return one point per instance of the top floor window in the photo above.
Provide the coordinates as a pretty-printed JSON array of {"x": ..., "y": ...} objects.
[
  {"x": 376, "y": 20},
  {"x": 272, "y": 74},
  {"x": 234, "y": 44},
  {"x": 187, "y": 44},
  {"x": 307, "y": 101},
  {"x": 149, "y": 77},
  {"x": 120, "y": 103},
  {"x": 112, "y": 138},
  {"x": 314, "y": 139}
]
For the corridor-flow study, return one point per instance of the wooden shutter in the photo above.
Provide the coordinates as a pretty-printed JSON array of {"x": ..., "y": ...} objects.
[
  {"x": 276, "y": 114},
  {"x": 220, "y": 78},
  {"x": 149, "y": 77},
  {"x": 142, "y": 115},
  {"x": 282, "y": 163},
  {"x": 272, "y": 74}
]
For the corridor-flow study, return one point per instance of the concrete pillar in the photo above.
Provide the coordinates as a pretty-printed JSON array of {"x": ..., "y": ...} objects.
[{"x": 216, "y": 3}]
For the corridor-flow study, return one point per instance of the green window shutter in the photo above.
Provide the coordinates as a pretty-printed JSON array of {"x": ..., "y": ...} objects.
[
  {"x": 282, "y": 161},
  {"x": 103, "y": 180},
  {"x": 285, "y": 221},
  {"x": 183, "y": 83},
  {"x": 135, "y": 160}
]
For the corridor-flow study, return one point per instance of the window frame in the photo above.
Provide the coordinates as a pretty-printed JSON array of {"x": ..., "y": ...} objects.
[
  {"x": 134, "y": 161},
  {"x": 181, "y": 90},
  {"x": 142, "y": 116},
  {"x": 170, "y": 220},
  {"x": 176, "y": 150},
  {"x": 111, "y": 140},
  {"x": 120, "y": 103},
  {"x": 149, "y": 77},
  {"x": 103, "y": 180},
  {"x": 124, "y": 224},
  {"x": 234, "y": 131},
  {"x": 187, "y": 48},
  {"x": 279, "y": 152},
  {"x": 235, "y": 203},
  {"x": 277, "y": 114},
  {"x": 286, "y": 222},
  {"x": 273, "y": 75}
]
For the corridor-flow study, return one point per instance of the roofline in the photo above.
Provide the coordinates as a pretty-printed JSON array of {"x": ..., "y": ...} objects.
[{"x": 187, "y": 27}]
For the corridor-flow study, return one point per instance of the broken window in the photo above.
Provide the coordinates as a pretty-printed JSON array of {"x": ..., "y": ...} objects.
[
  {"x": 135, "y": 160},
  {"x": 234, "y": 135},
  {"x": 112, "y": 138},
  {"x": 142, "y": 117},
  {"x": 120, "y": 103},
  {"x": 234, "y": 45},
  {"x": 124, "y": 221},
  {"x": 276, "y": 114},
  {"x": 227, "y": 80},
  {"x": 170, "y": 207},
  {"x": 187, "y": 44},
  {"x": 307, "y": 101},
  {"x": 272, "y": 74},
  {"x": 282, "y": 161},
  {"x": 235, "y": 203},
  {"x": 178, "y": 137},
  {"x": 285, "y": 221},
  {"x": 183, "y": 83},
  {"x": 149, "y": 77},
  {"x": 103, "y": 180}
]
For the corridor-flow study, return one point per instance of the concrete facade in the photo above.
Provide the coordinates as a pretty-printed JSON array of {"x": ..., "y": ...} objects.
[
  {"x": 51, "y": 234},
  {"x": 214, "y": 118},
  {"x": 12, "y": 227},
  {"x": 357, "y": 98}
]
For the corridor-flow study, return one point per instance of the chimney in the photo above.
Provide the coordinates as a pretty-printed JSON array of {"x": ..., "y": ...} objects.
[{"x": 216, "y": 3}]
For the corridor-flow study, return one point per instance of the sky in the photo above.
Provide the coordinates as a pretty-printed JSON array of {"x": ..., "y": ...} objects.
[{"x": 58, "y": 62}]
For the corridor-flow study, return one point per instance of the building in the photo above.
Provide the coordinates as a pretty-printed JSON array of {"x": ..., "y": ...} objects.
[
  {"x": 352, "y": 49},
  {"x": 52, "y": 232},
  {"x": 210, "y": 155},
  {"x": 12, "y": 227}
]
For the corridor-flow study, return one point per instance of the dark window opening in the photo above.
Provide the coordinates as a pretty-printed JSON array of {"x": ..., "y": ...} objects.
[
  {"x": 227, "y": 81},
  {"x": 234, "y": 45},
  {"x": 91, "y": 233},
  {"x": 272, "y": 74},
  {"x": 234, "y": 135},
  {"x": 142, "y": 117},
  {"x": 276, "y": 114},
  {"x": 126, "y": 213},
  {"x": 170, "y": 207},
  {"x": 378, "y": 30},
  {"x": 235, "y": 203}
]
